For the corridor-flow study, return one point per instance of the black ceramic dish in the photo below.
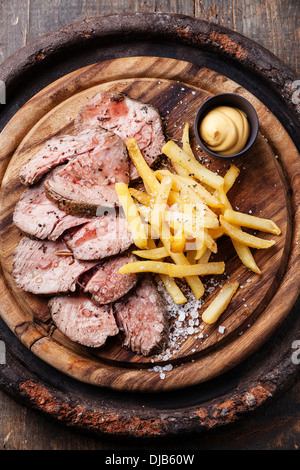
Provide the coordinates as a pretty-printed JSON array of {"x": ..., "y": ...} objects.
[{"x": 233, "y": 100}]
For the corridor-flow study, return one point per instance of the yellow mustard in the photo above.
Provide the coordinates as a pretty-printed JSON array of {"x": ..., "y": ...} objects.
[{"x": 225, "y": 130}]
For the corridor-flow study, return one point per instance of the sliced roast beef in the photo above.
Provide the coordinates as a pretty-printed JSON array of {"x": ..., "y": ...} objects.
[
  {"x": 127, "y": 118},
  {"x": 39, "y": 217},
  {"x": 143, "y": 319},
  {"x": 102, "y": 237},
  {"x": 106, "y": 285},
  {"x": 46, "y": 267},
  {"x": 87, "y": 182},
  {"x": 58, "y": 150},
  {"x": 78, "y": 318}
]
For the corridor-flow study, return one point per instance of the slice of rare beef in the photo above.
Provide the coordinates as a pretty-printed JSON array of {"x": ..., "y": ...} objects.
[
  {"x": 127, "y": 118},
  {"x": 46, "y": 267},
  {"x": 107, "y": 285},
  {"x": 39, "y": 217},
  {"x": 143, "y": 319},
  {"x": 102, "y": 237},
  {"x": 78, "y": 318},
  {"x": 87, "y": 182},
  {"x": 56, "y": 151}
]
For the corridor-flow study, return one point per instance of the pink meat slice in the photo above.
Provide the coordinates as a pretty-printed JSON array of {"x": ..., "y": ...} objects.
[
  {"x": 46, "y": 267},
  {"x": 143, "y": 320},
  {"x": 56, "y": 151},
  {"x": 39, "y": 217},
  {"x": 102, "y": 237},
  {"x": 107, "y": 285},
  {"x": 127, "y": 118},
  {"x": 87, "y": 182},
  {"x": 79, "y": 319}
]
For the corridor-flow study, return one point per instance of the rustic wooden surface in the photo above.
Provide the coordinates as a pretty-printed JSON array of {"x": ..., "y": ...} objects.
[{"x": 271, "y": 24}]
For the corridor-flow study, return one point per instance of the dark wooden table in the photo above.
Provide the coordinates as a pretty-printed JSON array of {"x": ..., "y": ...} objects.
[{"x": 275, "y": 26}]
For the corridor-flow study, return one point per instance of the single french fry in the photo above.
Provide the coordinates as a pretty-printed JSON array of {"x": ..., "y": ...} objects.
[
  {"x": 173, "y": 289},
  {"x": 245, "y": 255},
  {"x": 216, "y": 232},
  {"x": 152, "y": 254},
  {"x": 200, "y": 251},
  {"x": 230, "y": 177},
  {"x": 186, "y": 145},
  {"x": 142, "y": 197},
  {"x": 173, "y": 270},
  {"x": 243, "y": 237},
  {"x": 177, "y": 155},
  {"x": 150, "y": 181},
  {"x": 134, "y": 221},
  {"x": 205, "y": 257},
  {"x": 160, "y": 202},
  {"x": 210, "y": 242},
  {"x": 213, "y": 312},
  {"x": 187, "y": 148},
  {"x": 250, "y": 221},
  {"x": 243, "y": 251}
]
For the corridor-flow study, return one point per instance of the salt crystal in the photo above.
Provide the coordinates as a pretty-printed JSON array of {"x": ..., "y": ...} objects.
[{"x": 221, "y": 329}]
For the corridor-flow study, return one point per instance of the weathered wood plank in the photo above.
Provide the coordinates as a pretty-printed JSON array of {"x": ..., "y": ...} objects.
[{"x": 274, "y": 25}]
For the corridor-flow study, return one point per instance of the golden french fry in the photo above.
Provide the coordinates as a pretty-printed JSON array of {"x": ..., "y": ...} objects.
[
  {"x": 243, "y": 251},
  {"x": 173, "y": 289},
  {"x": 186, "y": 140},
  {"x": 134, "y": 221},
  {"x": 152, "y": 254},
  {"x": 213, "y": 312},
  {"x": 230, "y": 177},
  {"x": 250, "y": 221},
  {"x": 173, "y": 270},
  {"x": 145, "y": 172},
  {"x": 216, "y": 232},
  {"x": 160, "y": 202},
  {"x": 245, "y": 255},
  {"x": 187, "y": 148},
  {"x": 177, "y": 155},
  {"x": 243, "y": 237},
  {"x": 205, "y": 257},
  {"x": 142, "y": 197}
]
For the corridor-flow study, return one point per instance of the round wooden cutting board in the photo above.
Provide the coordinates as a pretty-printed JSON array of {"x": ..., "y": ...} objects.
[{"x": 176, "y": 88}]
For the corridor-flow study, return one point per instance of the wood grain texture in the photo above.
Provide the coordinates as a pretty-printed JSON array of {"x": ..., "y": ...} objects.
[
  {"x": 22, "y": 21},
  {"x": 276, "y": 427},
  {"x": 176, "y": 88}
]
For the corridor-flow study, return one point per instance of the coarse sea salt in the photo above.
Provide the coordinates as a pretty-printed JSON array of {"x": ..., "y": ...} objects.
[{"x": 184, "y": 319}]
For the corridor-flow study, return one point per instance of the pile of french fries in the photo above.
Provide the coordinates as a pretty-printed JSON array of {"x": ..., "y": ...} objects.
[{"x": 176, "y": 221}]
